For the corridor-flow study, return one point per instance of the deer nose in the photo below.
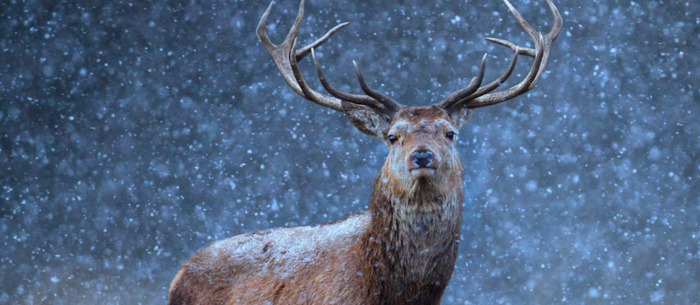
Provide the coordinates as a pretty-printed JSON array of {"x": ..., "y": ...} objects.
[{"x": 422, "y": 158}]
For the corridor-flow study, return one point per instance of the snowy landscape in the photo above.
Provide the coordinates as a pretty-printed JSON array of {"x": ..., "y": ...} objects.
[{"x": 132, "y": 134}]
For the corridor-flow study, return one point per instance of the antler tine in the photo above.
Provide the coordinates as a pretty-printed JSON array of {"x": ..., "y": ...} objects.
[
  {"x": 542, "y": 43},
  {"x": 558, "y": 23},
  {"x": 261, "y": 30},
  {"x": 482, "y": 96},
  {"x": 301, "y": 53},
  {"x": 454, "y": 98},
  {"x": 495, "y": 83},
  {"x": 520, "y": 88},
  {"x": 292, "y": 35},
  {"x": 384, "y": 99},
  {"x": 516, "y": 48},
  {"x": 283, "y": 53},
  {"x": 355, "y": 98},
  {"x": 308, "y": 92},
  {"x": 549, "y": 38}
]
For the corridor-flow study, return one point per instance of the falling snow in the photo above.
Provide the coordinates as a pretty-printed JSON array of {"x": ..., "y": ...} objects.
[{"x": 132, "y": 134}]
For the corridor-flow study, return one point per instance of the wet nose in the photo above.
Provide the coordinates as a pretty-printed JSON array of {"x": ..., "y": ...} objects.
[{"x": 422, "y": 158}]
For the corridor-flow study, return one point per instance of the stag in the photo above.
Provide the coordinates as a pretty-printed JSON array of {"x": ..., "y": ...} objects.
[{"x": 403, "y": 249}]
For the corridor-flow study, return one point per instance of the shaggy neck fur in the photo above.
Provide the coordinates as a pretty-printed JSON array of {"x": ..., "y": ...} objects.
[{"x": 412, "y": 244}]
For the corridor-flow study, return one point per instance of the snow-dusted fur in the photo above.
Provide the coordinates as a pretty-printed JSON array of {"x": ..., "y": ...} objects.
[
  {"x": 282, "y": 266},
  {"x": 401, "y": 251}
]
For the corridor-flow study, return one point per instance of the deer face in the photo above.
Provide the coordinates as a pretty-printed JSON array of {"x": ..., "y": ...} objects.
[{"x": 422, "y": 145}]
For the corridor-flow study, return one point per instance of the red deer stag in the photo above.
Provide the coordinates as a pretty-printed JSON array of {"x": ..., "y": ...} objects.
[{"x": 401, "y": 251}]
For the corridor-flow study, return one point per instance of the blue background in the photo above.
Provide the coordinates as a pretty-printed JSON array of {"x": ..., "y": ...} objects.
[{"x": 133, "y": 134}]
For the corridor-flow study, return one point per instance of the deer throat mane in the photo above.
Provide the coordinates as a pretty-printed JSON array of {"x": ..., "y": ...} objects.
[
  {"x": 413, "y": 238},
  {"x": 424, "y": 194},
  {"x": 437, "y": 204}
]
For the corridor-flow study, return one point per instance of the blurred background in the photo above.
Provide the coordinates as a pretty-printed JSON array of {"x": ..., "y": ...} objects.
[{"x": 133, "y": 134}]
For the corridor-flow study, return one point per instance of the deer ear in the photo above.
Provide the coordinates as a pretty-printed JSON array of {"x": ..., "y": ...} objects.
[
  {"x": 460, "y": 116},
  {"x": 366, "y": 119}
]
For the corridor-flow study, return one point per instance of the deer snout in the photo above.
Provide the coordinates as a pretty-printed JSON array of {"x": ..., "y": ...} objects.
[{"x": 422, "y": 158}]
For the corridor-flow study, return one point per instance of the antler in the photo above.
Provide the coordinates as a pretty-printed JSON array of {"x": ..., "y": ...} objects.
[
  {"x": 474, "y": 96},
  {"x": 286, "y": 58}
]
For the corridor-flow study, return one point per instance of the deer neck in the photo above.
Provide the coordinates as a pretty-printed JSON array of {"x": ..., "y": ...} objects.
[{"x": 413, "y": 238}]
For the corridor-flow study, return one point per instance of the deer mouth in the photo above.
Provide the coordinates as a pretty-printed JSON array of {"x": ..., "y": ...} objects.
[{"x": 422, "y": 171}]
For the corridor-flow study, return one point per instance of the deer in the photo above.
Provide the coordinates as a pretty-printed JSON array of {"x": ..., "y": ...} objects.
[{"x": 403, "y": 249}]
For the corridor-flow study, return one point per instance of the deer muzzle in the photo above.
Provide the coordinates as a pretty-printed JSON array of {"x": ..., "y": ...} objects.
[{"x": 422, "y": 162}]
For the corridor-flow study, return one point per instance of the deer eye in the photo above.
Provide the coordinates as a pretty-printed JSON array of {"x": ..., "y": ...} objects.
[
  {"x": 392, "y": 139},
  {"x": 450, "y": 135}
]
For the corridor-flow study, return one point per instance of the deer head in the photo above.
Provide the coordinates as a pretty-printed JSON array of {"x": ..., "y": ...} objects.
[{"x": 421, "y": 140}]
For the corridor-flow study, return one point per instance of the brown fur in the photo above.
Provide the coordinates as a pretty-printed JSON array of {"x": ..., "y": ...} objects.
[{"x": 401, "y": 251}]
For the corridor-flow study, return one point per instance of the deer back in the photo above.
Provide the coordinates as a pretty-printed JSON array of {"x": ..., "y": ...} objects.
[{"x": 300, "y": 265}]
